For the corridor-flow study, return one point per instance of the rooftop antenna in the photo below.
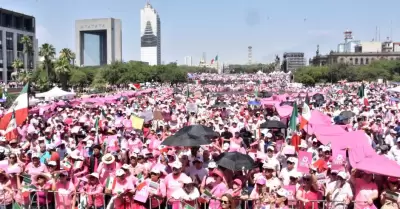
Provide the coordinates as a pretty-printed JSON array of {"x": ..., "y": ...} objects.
[
  {"x": 379, "y": 34},
  {"x": 391, "y": 30},
  {"x": 376, "y": 33}
]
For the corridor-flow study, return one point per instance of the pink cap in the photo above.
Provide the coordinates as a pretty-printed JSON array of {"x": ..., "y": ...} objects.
[{"x": 261, "y": 181}]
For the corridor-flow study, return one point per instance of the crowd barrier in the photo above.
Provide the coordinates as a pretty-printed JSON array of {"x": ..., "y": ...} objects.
[{"x": 47, "y": 200}]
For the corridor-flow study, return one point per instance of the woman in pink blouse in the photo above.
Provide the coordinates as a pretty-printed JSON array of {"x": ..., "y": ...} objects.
[
  {"x": 35, "y": 167},
  {"x": 123, "y": 191},
  {"x": 64, "y": 191},
  {"x": 44, "y": 198},
  {"x": 6, "y": 193},
  {"x": 94, "y": 191},
  {"x": 219, "y": 188}
]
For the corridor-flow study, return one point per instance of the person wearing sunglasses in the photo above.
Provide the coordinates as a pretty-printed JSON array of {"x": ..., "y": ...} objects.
[
  {"x": 227, "y": 202},
  {"x": 390, "y": 198},
  {"x": 339, "y": 191},
  {"x": 308, "y": 192},
  {"x": 188, "y": 194},
  {"x": 279, "y": 199}
]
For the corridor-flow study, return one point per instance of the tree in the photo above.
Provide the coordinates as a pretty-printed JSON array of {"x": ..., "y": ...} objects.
[
  {"x": 48, "y": 52},
  {"x": 28, "y": 49},
  {"x": 67, "y": 54},
  {"x": 17, "y": 64},
  {"x": 62, "y": 70}
]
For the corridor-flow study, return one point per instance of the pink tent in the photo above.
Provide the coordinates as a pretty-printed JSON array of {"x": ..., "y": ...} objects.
[
  {"x": 284, "y": 111},
  {"x": 319, "y": 118},
  {"x": 365, "y": 158},
  {"x": 320, "y": 129}
]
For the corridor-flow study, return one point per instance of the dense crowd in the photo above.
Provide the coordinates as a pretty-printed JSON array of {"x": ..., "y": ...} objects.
[{"x": 112, "y": 152}]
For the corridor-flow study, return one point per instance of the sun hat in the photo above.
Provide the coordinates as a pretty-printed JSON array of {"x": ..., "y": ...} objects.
[
  {"x": 282, "y": 192},
  {"x": 261, "y": 181},
  {"x": 342, "y": 174},
  {"x": 94, "y": 174},
  {"x": 212, "y": 164},
  {"x": 108, "y": 158},
  {"x": 46, "y": 176},
  {"x": 176, "y": 164},
  {"x": 120, "y": 172},
  {"x": 218, "y": 173}
]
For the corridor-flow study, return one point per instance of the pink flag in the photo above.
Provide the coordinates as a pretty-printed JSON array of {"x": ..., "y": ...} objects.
[
  {"x": 338, "y": 160},
  {"x": 305, "y": 159}
]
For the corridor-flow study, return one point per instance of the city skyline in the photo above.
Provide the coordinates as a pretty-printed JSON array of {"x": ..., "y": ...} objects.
[{"x": 227, "y": 32}]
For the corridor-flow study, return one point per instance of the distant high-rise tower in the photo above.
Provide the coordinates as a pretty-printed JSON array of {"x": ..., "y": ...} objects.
[
  {"x": 150, "y": 32},
  {"x": 188, "y": 60},
  {"x": 250, "y": 54}
]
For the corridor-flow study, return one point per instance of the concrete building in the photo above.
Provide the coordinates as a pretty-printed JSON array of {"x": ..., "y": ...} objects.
[
  {"x": 369, "y": 47},
  {"x": 349, "y": 43},
  {"x": 361, "y": 58},
  {"x": 188, "y": 61},
  {"x": 98, "y": 41},
  {"x": 150, "y": 35},
  {"x": 294, "y": 60},
  {"x": 13, "y": 26}
]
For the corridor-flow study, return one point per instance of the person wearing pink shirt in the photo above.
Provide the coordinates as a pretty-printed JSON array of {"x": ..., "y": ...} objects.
[
  {"x": 106, "y": 168},
  {"x": 94, "y": 191},
  {"x": 218, "y": 189},
  {"x": 366, "y": 191},
  {"x": 64, "y": 191},
  {"x": 122, "y": 190},
  {"x": 35, "y": 167},
  {"x": 174, "y": 180}
]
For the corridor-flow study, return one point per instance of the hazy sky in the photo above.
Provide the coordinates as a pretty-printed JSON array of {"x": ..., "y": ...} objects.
[{"x": 223, "y": 27}]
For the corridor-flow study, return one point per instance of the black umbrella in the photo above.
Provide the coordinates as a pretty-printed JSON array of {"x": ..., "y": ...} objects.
[
  {"x": 197, "y": 130},
  {"x": 265, "y": 94},
  {"x": 347, "y": 114},
  {"x": 273, "y": 124},
  {"x": 186, "y": 140},
  {"x": 235, "y": 161},
  {"x": 318, "y": 97}
]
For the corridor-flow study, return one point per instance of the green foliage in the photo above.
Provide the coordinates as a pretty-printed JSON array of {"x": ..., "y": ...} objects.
[
  {"x": 62, "y": 72},
  {"x": 384, "y": 69},
  {"x": 266, "y": 68}
]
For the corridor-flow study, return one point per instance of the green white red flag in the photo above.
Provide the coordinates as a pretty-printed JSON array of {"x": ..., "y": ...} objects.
[{"x": 20, "y": 107}]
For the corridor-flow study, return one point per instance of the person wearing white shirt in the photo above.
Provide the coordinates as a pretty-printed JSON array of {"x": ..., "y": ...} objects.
[
  {"x": 389, "y": 139},
  {"x": 394, "y": 152},
  {"x": 188, "y": 193},
  {"x": 197, "y": 171},
  {"x": 271, "y": 160},
  {"x": 339, "y": 191},
  {"x": 288, "y": 171}
]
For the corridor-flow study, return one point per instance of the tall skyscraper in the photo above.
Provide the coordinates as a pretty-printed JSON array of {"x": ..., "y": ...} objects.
[
  {"x": 150, "y": 32},
  {"x": 188, "y": 60}
]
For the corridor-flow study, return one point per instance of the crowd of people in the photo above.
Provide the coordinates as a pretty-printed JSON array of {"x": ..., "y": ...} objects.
[{"x": 95, "y": 155}]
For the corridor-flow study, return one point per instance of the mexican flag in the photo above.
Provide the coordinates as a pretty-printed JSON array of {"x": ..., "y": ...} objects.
[
  {"x": 293, "y": 128},
  {"x": 11, "y": 131},
  {"x": 361, "y": 95},
  {"x": 135, "y": 86},
  {"x": 20, "y": 106},
  {"x": 66, "y": 165},
  {"x": 293, "y": 118},
  {"x": 305, "y": 116},
  {"x": 214, "y": 60},
  {"x": 110, "y": 183}
]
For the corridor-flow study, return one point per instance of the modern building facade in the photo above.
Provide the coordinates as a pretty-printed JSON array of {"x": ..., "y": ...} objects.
[
  {"x": 98, "y": 41},
  {"x": 150, "y": 35},
  {"x": 14, "y": 26},
  {"x": 294, "y": 60},
  {"x": 188, "y": 61}
]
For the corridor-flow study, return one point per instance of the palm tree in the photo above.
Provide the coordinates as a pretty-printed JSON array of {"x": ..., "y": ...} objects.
[
  {"x": 67, "y": 54},
  {"x": 62, "y": 70},
  {"x": 48, "y": 52},
  {"x": 17, "y": 64},
  {"x": 28, "y": 49}
]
